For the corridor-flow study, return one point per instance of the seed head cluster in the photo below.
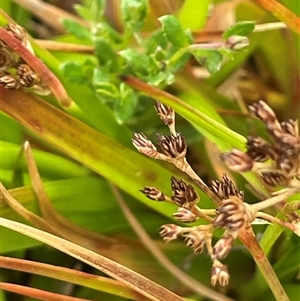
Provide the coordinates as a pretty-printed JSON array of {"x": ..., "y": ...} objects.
[
  {"x": 276, "y": 162},
  {"x": 14, "y": 72},
  {"x": 232, "y": 214}
]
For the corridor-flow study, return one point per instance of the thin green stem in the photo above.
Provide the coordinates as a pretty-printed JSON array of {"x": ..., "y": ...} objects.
[{"x": 274, "y": 200}]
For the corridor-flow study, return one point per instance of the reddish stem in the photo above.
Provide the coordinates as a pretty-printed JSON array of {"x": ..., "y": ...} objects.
[
  {"x": 37, "y": 293},
  {"x": 248, "y": 238},
  {"x": 38, "y": 66},
  {"x": 282, "y": 13}
]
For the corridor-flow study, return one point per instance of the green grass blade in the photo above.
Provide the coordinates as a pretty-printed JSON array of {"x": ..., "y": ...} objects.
[{"x": 126, "y": 168}]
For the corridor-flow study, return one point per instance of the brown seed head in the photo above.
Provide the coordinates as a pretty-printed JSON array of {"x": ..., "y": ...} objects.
[
  {"x": 27, "y": 76},
  {"x": 7, "y": 57},
  {"x": 173, "y": 146},
  {"x": 233, "y": 214},
  {"x": 225, "y": 188},
  {"x": 166, "y": 114},
  {"x": 259, "y": 149},
  {"x": 220, "y": 275},
  {"x": 184, "y": 215},
  {"x": 9, "y": 82},
  {"x": 237, "y": 160},
  {"x": 144, "y": 145},
  {"x": 170, "y": 232},
  {"x": 184, "y": 195},
  {"x": 223, "y": 246},
  {"x": 291, "y": 127},
  {"x": 263, "y": 112},
  {"x": 274, "y": 178},
  {"x": 18, "y": 32},
  {"x": 196, "y": 240},
  {"x": 153, "y": 193}
]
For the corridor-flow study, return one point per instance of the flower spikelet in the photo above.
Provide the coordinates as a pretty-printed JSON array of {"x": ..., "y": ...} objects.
[
  {"x": 16, "y": 72},
  {"x": 274, "y": 178},
  {"x": 196, "y": 240},
  {"x": 219, "y": 274},
  {"x": 185, "y": 215},
  {"x": 18, "y": 32},
  {"x": 276, "y": 162},
  {"x": 260, "y": 150},
  {"x": 166, "y": 114},
  {"x": 233, "y": 214},
  {"x": 225, "y": 188},
  {"x": 27, "y": 77},
  {"x": 144, "y": 145},
  {"x": 173, "y": 146},
  {"x": 170, "y": 232},
  {"x": 237, "y": 160},
  {"x": 223, "y": 245},
  {"x": 184, "y": 195},
  {"x": 9, "y": 82},
  {"x": 153, "y": 193}
]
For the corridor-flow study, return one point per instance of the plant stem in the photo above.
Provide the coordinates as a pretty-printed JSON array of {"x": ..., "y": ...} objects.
[
  {"x": 249, "y": 240},
  {"x": 38, "y": 66},
  {"x": 274, "y": 200},
  {"x": 134, "y": 280},
  {"x": 273, "y": 219},
  {"x": 100, "y": 283},
  {"x": 282, "y": 13},
  {"x": 37, "y": 293}
]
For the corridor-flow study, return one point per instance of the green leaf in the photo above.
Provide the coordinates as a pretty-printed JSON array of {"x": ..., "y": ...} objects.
[
  {"x": 173, "y": 31},
  {"x": 76, "y": 72},
  {"x": 96, "y": 8},
  {"x": 211, "y": 59},
  {"x": 101, "y": 74},
  {"x": 134, "y": 13},
  {"x": 107, "y": 157},
  {"x": 288, "y": 265},
  {"x": 106, "y": 32},
  {"x": 125, "y": 106},
  {"x": 157, "y": 39},
  {"x": 139, "y": 62},
  {"x": 93, "y": 204},
  {"x": 86, "y": 103},
  {"x": 83, "y": 12},
  {"x": 106, "y": 89},
  {"x": 178, "y": 60},
  {"x": 241, "y": 28},
  {"x": 10, "y": 130},
  {"x": 59, "y": 167},
  {"x": 76, "y": 29},
  {"x": 159, "y": 78},
  {"x": 16, "y": 241},
  {"x": 105, "y": 53}
]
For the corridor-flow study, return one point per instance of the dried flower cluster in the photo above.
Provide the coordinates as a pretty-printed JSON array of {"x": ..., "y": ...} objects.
[
  {"x": 232, "y": 213},
  {"x": 14, "y": 72},
  {"x": 276, "y": 162}
]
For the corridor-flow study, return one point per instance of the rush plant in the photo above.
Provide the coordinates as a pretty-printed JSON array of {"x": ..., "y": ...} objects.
[{"x": 220, "y": 185}]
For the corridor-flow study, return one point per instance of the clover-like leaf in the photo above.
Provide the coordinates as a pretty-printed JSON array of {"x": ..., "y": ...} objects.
[
  {"x": 76, "y": 29},
  {"x": 242, "y": 28},
  {"x": 173, "y": 31},
  {"x": 211, "y": 59}
]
